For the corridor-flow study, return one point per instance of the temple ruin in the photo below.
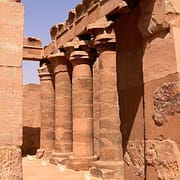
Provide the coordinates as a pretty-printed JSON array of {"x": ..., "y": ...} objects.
[{"x": 109, "y": 93}]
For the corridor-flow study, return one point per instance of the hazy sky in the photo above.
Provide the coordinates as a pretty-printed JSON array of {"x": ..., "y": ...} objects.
[{"x": 40, "y": 15}]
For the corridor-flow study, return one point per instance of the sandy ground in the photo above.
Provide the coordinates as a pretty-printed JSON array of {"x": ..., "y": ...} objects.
[{"x": 35, "y": 169}]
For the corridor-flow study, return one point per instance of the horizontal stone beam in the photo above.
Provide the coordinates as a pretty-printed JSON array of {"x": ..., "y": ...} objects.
[
  {"x": 32, "y": 49},
  {"x": 79, "y": 25}
]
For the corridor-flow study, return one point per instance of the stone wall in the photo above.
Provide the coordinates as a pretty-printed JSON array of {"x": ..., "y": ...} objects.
[
  {"x": 31, "y": 118},
  {"x": 11, "y": 46},
  {"x": 127, "y": 54},
  {"x": 11, "y": 43},
  {"x": 130, "y": 46},
  {"x": 148, "y": 85}
]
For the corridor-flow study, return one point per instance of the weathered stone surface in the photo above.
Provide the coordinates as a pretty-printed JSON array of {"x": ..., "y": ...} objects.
[
  {"x": 63, "y": 101},
  {"x": 40, "y": 153},
  {"x": 31, "y": 118},
  {"x": 32, "y": 41},
  {"x": 10, "y": 163},
  {"x": 49, "y": 49},
  {"x": 11, "y": 46},
  {"x": 96, "y": 11},
  {"x": 96, "y": 106},
  {"x": 11, "y": 39},
  {"x": 108, "y": 101},
  {"x": 166, "y": 102},
  {"x": 32, "y": 49},
  {"x": 47, "y": 107},
  {"x": 81, "y": 104},
  {"x": 82, "y": 87},
  {"x": 134, "y": 157},
  {"x": 157, "y": 50},
  {"x": 169, "y": 129},
  {"x": 172, "y": 6},
  {"x": 152, "y": 19},
  {"x": 113, "y": 170},
  {"x": 133, "y": 83},
  {"x": 163, "y": 160}
]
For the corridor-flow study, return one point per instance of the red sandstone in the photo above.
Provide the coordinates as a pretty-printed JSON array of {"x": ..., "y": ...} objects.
[{"x": 109, "y": 90}]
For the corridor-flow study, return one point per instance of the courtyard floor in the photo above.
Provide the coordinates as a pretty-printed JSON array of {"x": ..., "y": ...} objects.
[{"x": 35, "y": 169}]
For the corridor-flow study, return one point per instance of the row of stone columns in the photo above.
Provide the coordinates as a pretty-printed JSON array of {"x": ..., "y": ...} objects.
[{"x": 74, "y": 125}]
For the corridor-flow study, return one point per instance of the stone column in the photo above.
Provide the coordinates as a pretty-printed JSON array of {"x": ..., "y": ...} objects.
[
  {"x": 96, "y": 106},
  {"x": 47, "y": 108},
  {"x": 82, "y": 108},
  {"x": 110, "y": 164},
  {"x": 63, "y": 105}
]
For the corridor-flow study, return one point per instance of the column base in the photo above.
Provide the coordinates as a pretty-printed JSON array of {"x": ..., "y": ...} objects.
[
  {"x": 113, "y": 170},
  {"x": 59, "y": 158},
  {"x": 80, "y": 163}
]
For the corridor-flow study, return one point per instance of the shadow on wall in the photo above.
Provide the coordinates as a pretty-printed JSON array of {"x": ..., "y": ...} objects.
[
  {"x": 132, "y": 32},
  {"x": 130, "y": 52},
  {"x": 31, "y": 140}
]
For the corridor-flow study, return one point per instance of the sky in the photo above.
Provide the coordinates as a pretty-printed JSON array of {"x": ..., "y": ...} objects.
[{"x": 40, "y": 16}]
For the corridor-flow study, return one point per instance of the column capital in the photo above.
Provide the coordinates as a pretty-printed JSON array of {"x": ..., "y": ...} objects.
[
  {"x": 55, "y": 56},
  {"x": 105, "y": 41},
  {"x": 75, "y": 44},
  {"x": 104, "y": 35},
  {"x": 79, "y": 57},
  {"x": 59, "y": 62},
  {"x": 99, "y": 26},
  {"x": 45, "y": 72}
]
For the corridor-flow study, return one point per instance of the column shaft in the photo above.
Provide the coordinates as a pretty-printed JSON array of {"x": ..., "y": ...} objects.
[
  {"x": 63, "y": 103},
  {"x": 47, "y": 109},
  {"x": 96, "y": 106},
  {"x": 110, "y": 164},
  {"x": 110, "y": 137},
  {"x": 82, "y": 111}
]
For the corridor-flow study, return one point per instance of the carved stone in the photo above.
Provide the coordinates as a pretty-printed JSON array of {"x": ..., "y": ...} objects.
[{"x": 166, "y": 102}]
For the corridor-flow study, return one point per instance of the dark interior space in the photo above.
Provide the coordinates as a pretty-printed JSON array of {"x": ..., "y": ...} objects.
[{"x": 31, "y": 140}]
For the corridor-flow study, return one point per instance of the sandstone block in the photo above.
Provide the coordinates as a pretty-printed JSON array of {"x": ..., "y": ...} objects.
[
  {"x": 163, "y": 160},
  {"x": 10, "y": 163},
  {"x": 152, "y": 19}
]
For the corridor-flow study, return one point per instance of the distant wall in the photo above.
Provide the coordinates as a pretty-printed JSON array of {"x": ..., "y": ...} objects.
[{"x": 31, "y": 118}]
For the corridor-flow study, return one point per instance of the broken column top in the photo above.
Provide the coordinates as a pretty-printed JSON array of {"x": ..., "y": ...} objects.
[{"x": 32, "y": 41}]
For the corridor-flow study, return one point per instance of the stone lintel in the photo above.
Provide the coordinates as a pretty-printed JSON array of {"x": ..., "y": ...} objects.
[
  {"x": 89, "y": 17},
  {"x": 32, "y": 41},
  {"x": 32, "y": 49},
  {"x": 32, "y": 53}
]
